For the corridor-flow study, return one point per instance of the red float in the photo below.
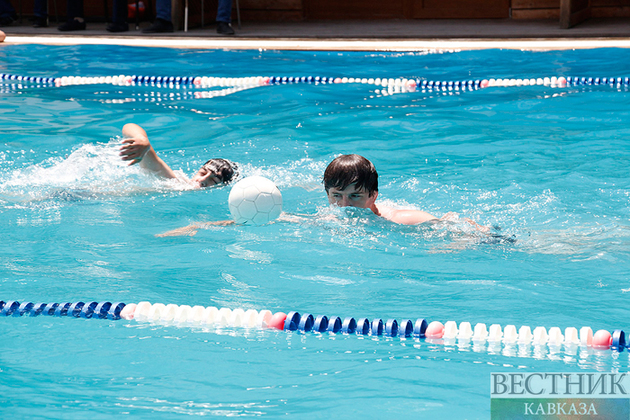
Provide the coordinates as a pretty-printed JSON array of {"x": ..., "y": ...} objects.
[
  {"x": 435, "y": 330},
  {"x": 277, "y": 321},
  {"x": 602, "y": 339}
]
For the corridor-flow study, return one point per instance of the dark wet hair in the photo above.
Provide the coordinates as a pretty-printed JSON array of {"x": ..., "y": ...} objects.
[
  {"x": 225, "y": 170},
  {"x": 351, "y": 169}
]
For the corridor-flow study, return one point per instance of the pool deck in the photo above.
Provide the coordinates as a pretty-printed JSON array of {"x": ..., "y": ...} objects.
[{"x": 382, "y": 35}]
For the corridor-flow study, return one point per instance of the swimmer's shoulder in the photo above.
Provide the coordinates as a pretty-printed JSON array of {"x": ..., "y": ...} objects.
[{"x": 403, "y": 216}]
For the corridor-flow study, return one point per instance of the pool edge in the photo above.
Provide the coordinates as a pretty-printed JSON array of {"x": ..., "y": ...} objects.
[{"x": 309, "y": 44}]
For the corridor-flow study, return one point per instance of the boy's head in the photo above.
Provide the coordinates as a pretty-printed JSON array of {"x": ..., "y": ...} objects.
[
  {"x": 351, "y": 181},
  {"x": 216, "y": 171}
]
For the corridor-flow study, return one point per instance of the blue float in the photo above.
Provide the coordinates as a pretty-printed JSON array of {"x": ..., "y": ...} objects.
[
  {"x": 75, "y": 309},
  {"x": 24, "y": 308},
  {"x": 405, "y": 328},
  {"x": 377, "y": 327},
  {"x": 88, "y": 310},
  {"x": 114, "y": 311},
  {"x": 102, "y": 309},
  {"x": 321, "y": 323},
  {"x": 618, "y": 340},
  {"x": 50, "y": 309},
  {"x": 363, "y": 326},
  {"x": 349, "y": 326},
  {"x": 391, "y": 328},
  {"x": 306, "y": 323},
  {"x": 420, "y": 327},
  {"x": 62, "y": 309},
  {"x": 292, "y": 321},
  {"x": 37, "y": 309},
  {"x": 334, "y": 324},
  {"x": 9, "y": 307}
]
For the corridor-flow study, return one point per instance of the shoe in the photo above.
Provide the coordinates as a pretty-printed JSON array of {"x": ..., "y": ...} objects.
[
  {"x": 118, "y": 27},
  {"x": 72, "y": 25},
  {"x": 7, "y": 20},
  {"x": 159, "y": 26},
  {"x": 224, "y": 28},
  {"x": 40, "y": 22}
]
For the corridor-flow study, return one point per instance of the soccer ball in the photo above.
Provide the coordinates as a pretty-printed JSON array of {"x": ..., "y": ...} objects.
[{"x": 255, "y": 200}]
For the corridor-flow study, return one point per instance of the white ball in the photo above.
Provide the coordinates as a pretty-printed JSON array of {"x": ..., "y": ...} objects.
[{"x": 255, "y": 200}]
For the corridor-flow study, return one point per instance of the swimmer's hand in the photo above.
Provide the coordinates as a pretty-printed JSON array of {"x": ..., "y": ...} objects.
[
  {"x": 134, "y": 149},
  {"x": 191, "y": 230},
  {"x": 454, "y": 217}
]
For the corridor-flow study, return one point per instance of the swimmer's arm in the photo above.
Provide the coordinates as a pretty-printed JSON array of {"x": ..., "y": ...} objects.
[
  {"x": 408, "y": 216},
  {"x": 453, "y": 217},
  {"x": 137, "y": 149},
  {"x": 191, "y": 230},
  {"x": 416, "y": 217},
  {"x": 403, "y": 216}
]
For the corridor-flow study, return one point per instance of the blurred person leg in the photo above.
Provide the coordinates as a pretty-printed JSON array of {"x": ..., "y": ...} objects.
[
  {"x": 224, "y": 18},
  {"x": 7, "y": 13},
  {"x": 163, "y": 21},
  {"x": 40, "y": 10},
  {"x": 119, "y": 18},
  {"x": 75, "y": 20}
]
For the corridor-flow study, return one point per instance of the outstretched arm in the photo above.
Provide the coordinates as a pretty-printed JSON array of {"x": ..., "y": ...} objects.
[
  {"x": 454, "y": 217},
  {"x": 191, "y": 230},
  {"x": 137, "y": 149}
]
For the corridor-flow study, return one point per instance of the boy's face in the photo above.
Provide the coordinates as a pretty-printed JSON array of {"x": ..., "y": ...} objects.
[
  {"x": 351, "y": 197},
  {"x": 206, "y": 178}
]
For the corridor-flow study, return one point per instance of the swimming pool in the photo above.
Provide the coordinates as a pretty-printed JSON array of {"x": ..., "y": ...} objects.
[{"x": 546, "y": 165}]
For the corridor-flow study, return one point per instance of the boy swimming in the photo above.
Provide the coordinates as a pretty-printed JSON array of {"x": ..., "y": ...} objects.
[
  {"x": 352, "y": 181},
  {"x": 136, "y": 148}
]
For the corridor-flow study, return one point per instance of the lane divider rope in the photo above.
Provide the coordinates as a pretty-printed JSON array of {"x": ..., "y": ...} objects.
[
  {"x": 403, "y": 84},
  {"x": 436, "y": 332}
]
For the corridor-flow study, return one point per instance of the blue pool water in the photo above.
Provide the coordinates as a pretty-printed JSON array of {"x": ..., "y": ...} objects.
[{"x": 546, "y": 165}]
